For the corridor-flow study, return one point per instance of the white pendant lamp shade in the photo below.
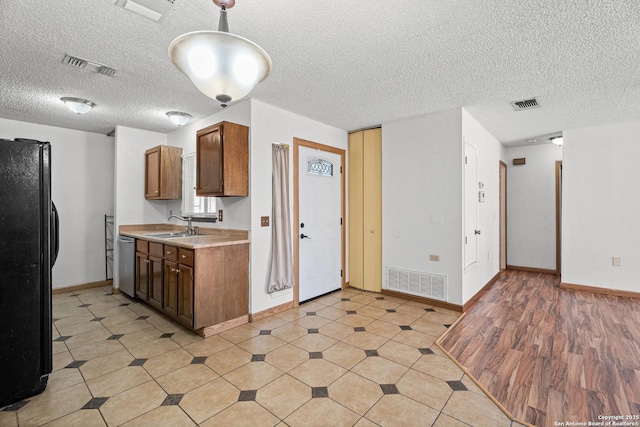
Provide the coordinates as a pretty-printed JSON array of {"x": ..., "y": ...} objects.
[
  {"x": 78, "y": 105},
  {"x": 223, "y": 66}
]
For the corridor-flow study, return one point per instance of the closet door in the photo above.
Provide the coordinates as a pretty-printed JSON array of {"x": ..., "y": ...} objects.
[
  {"x": 372, "y": 208},
  {"x": 365, "y": 210}
]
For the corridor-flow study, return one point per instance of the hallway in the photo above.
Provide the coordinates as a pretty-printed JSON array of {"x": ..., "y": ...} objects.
[{"x": 552, "y": 355}]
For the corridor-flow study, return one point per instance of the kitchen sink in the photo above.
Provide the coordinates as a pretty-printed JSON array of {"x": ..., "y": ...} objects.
[{"x": 169, "y": 235}]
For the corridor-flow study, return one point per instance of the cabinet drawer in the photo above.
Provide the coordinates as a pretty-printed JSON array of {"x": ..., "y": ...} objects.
[
  {"x": 156, "y": 249},
  {"x": 142, "y": 246},
  {"x": 185, "y": 256},
  {"x": 170, "y": 253}
]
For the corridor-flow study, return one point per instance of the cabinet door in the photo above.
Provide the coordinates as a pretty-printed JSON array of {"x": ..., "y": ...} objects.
[
  {"x": 209, "y": 162},
  {"x": 185, "y": 295},
  {"x": 171, "y": 289},
  {"x": 152, "y": 173},
  {"x": 155, "y": 282},
  {"x": 142, "y": 276}
]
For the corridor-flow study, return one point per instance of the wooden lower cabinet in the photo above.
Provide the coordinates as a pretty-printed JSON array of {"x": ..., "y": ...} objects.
[
  {"x": 185, "y": 295},
  {"x": 171, "y": 289},
  {"x": 200, "y": 288},
  {"x": 142, "y": 276},
  {"x": 155, "y": 282}
]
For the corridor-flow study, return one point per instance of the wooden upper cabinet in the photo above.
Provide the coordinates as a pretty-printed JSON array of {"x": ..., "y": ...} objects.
[
  {"x": 222, "y": 160},
  {"x": 163, "y": 173}
]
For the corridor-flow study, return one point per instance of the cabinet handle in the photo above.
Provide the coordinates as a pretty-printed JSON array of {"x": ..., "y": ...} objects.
[
  {"x": 157, "y": 191},
  {"x": 184, "y": 256},
  {"x": 146, "y": 261},
  {"x": 168, "y": 252}
]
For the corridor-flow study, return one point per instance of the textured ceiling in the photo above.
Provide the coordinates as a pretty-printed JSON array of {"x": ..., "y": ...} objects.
[{"x": 350, "y": 64}]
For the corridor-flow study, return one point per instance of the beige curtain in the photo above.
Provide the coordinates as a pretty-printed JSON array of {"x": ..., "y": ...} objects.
[{"x": 282, "y": 259}]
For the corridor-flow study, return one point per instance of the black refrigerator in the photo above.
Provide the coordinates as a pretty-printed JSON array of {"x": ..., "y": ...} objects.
[{"x": 28, "y": 249}]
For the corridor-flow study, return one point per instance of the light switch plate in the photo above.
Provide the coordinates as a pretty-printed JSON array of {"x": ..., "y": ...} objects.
[
  {"x": 264, "y": 221},
  {"x": 435, "y": 258},
  {"x": 219, "y": 215},
  {"x": 617, "y": 261}
]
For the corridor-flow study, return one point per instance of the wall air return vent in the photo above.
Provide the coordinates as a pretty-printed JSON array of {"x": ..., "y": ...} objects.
[
  {"x": 525, "y": 104},
  {"x": 156, "y": 10},
  {"x": 417, "y": 283},
  {"x": 96, "y": 67}
]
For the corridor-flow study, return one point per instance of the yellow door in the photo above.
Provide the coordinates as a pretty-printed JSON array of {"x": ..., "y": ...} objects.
[{"x": 365, "y": 210}]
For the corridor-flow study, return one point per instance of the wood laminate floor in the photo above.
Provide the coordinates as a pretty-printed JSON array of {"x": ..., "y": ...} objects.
[{"x": 552, "y": 356}]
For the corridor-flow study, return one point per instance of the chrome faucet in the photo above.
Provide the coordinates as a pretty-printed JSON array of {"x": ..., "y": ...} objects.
[{"x": 190, "y": 229}]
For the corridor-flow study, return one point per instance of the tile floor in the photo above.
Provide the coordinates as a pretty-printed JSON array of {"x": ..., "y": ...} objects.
[{"x": 349, "y": 358}]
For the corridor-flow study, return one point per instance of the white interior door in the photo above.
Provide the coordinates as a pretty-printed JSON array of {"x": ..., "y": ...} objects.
[
  {"x": 471, "y": 232},
  {"x": 320, "y": 229}
]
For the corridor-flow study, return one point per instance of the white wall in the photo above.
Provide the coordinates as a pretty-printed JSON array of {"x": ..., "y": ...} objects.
[
  {"x": 421, "y": 196},
  {"x": 270, "y": 124},
  {"x": 237, "y": 210},
  {"x": 531, "y": 206},
  {"x": 82, "y": 189},
  {"x": 478, "y": 274},
  {"x": 601, "y": 206},
  {"x": 131, "y": 207}
]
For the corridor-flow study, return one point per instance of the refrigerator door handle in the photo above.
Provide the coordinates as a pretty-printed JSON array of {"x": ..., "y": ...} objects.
[{"x": 55, "y": 235}]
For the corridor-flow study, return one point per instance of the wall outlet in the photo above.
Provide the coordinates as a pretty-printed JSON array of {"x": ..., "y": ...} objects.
[
  {"x": 435, "y": 258},
  {"x": 264, "y": 221},
  {"x": 617, "y": 261},
  {"x": 219, "y": 215}
]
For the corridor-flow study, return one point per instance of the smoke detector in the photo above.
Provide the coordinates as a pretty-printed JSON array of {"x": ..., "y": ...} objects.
[
  {"x": 525, "y": 104},
  {"x": 156, "y": 10},
  {"x": 96, "y": 67}
]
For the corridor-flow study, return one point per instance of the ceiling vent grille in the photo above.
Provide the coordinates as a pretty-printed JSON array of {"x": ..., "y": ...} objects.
[
  {"x": 156, "y": 10},
  {"x": 525, "y": 104},
  {"x": 96, "y": 67}
]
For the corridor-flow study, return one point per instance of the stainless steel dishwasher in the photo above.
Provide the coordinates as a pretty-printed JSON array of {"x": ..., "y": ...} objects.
[{"x": 127, "y": 265}]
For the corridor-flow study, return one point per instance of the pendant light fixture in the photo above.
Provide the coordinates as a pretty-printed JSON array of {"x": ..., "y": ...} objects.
[{"x": 223, "y": 66}]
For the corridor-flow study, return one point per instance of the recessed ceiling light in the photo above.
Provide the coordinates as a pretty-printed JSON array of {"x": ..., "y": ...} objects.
[
  {"x": 78, "y": 105},
  {"x": 179, "y": 118}
]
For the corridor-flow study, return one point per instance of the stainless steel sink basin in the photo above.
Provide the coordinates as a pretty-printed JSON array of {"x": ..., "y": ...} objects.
[{"x": 169, "y": 235}]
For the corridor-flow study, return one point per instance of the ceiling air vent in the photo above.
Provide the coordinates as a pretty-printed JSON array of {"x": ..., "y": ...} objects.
[
  {"x": 526, "y": 104},
  {"x": 93, "y": 66},
  {"x": 156, "y": 10}
]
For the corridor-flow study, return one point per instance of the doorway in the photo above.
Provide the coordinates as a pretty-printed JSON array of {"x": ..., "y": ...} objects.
[
  {"x": 503, "y": 215},
  {"x": 558, "y": 216},
  {"x": 471, "y": 195},
  {"x": 319, "y": 210}
]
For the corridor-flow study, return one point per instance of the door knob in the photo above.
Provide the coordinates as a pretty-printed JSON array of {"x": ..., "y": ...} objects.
[
  {"x": 477, "y": 231},
  {"x": 302, "y": 236}
]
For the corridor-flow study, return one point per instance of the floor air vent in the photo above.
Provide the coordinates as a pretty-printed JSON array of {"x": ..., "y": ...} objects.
[
  {"x": 417, "y": 283},
  {"x": 525, "y": 104}
]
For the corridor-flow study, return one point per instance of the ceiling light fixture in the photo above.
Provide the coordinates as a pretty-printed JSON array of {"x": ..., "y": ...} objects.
[
  {"x": 556, "y": 140},
  {"x": 179, "y": 118},
  {"x": 223, "y": 66},
  {"x": 78, "y": 105}
]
